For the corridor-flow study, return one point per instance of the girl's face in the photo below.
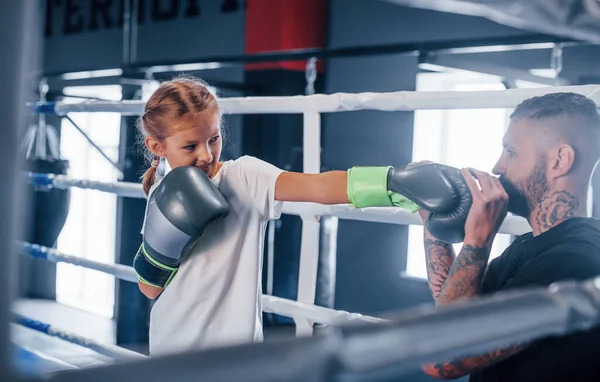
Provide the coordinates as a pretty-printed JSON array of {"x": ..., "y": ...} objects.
[{"x": 196, "y": 142}]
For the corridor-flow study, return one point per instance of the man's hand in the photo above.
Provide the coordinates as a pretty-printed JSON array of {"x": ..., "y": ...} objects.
[{"x": 488, "y": 210}]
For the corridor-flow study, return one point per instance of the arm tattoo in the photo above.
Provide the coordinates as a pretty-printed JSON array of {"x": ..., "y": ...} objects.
[
  {"x": 463, "y": 279},
  {"x": 439, "y": 257},
  {"x": 459, "y": 368},
  {"x": 466, "y": 274}
]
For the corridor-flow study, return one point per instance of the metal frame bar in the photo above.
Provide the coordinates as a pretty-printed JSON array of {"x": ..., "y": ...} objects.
[
  {"x": 137, "y": 80},
  {"x": 458, "y": 46},
  {"x": 509, "y": 73}
]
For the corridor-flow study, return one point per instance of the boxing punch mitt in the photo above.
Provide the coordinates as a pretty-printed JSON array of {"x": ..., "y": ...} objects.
[
  {"x": 437, "y": 188},
  {"x": 180, "y": 208}
]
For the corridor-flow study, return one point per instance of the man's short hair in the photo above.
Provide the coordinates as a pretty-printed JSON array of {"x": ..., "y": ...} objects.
[
  {"x": 559, "y": 105},
  {"x": 570, "y": 116}
]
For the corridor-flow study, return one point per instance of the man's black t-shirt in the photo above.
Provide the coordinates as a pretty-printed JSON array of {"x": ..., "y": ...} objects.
[{"x": 569, "y": 251}]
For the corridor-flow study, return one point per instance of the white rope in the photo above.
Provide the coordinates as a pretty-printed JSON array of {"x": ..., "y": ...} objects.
[
  {"x": 116, "y": 352},
  {"x": 120, "y": 271},
  {"x": 271, "y": 304},
  {"x": 337, "y": 102},
  {"x": 124, "y": 189},
  {"x": 512, "y": 225},
  {"x": 312, "y": 313}
]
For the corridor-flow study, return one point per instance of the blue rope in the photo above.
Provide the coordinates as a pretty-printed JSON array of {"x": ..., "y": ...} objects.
[
  {"x": 32, "y": 324},
  {"x": 112, "y": 351},
  {"x": 40, "y": 179},
  {"x": 33, "y": 250},
  {"x": 45, "y": 108}
]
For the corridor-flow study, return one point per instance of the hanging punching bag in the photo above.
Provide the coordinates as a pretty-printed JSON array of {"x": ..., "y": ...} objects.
[{"x": 47, "y": 208}]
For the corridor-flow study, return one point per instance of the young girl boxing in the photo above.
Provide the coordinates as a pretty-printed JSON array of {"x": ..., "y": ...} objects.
[{"x": 205, "y": 220}]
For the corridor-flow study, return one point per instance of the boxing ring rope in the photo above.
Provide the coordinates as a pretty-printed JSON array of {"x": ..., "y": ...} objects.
[
  {"x": 338, "y": 102},
  {"x": 117, "y": 270},
  {"x": 473, "y": 327},
  {"x": 122, "y": 272},
  {"x": 63, "y": 182},
  {"x": 271, "y": 304},
  {"x": 115, "y": 352},
  {"x": 512, "y": 225}
]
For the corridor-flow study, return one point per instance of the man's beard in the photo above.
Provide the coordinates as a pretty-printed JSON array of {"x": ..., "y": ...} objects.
[{"x": 524, "y": 195}]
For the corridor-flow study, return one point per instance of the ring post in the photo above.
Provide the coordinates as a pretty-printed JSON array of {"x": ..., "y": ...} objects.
[
  {"x": 309, "y": 249},
  {"x": 18, "y": 39}
]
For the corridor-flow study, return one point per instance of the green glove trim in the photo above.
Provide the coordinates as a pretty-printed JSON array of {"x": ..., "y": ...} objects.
[
  {"x": 403, "y": 202},
  {"x": 367, "y": 187},
  {"x": 151, "y": 272}
]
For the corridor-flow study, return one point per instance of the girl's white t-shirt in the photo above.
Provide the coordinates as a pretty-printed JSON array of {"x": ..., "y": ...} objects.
[{"x": 215, "y": 298}]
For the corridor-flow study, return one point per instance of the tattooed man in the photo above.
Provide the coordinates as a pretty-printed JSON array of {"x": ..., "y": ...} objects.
[{"x": 551, "y": 149}]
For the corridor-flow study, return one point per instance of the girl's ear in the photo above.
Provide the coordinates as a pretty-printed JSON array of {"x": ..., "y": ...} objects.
[{"x": 155, "y": 146}]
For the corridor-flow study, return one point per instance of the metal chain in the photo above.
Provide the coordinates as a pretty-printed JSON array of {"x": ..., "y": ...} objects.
[
  {"x": 40, "y": 148},
  {"x": 556, "y": 62},
  {"x": 43, "y": 89},
  {"x": 311, "y": 75}
]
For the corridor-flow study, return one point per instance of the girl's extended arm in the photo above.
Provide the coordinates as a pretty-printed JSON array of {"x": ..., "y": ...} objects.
[{"x": 324, "y": 188}]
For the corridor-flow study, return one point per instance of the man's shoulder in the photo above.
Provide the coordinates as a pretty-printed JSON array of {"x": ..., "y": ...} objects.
[
  {"x": 589, "y": 223},
  {"x": 513, "y": 250},
  {"x": 575, "y": 240},
  {"x": 578, "y": 222},
  {"x": 572, "y": 247},
  {"x": 576, "y": 233},
  {"x": 573, "y": 234}
]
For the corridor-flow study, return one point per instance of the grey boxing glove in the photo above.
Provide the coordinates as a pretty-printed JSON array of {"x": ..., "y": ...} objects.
[
  {"x": 449, "y": 225},
  {"x": 180, "y": 208},
  {"x": 437, "y": 188},
  {"x": 427, "y": 184}
]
